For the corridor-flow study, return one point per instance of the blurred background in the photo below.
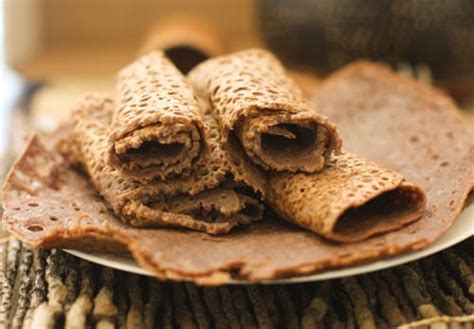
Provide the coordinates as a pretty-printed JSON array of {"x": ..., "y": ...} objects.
[
  {"x": 54, "y": 50},
  {"x": 72, "y": 46}
]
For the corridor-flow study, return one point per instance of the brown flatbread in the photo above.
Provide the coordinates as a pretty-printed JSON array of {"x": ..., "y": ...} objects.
[
  {"x": 186, "y": 40},
  {"x": 349, "y": 200},
  {"x": 203, "y": 201},
  {"x": 398, "y": 122},
  {"x": 157, "y": 129},
  {"x": 261, "y": 110}
]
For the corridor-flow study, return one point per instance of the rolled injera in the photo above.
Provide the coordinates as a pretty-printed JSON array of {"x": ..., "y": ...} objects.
[
  {"x": 262, "y": 111},
  {"x": 206, "y": 200},
  {"x": 349, "y": 200},
  {"x": 388, "y": 119},
  {"x": 157, "y": 127}
]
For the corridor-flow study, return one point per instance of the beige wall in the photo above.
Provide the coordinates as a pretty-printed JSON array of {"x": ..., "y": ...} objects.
[
  {"x": 34, "y": 27},
  {"x": 111, "y": 22},
  {"x": 23, "y": 29},
  {"x": 125, "y": 21}
]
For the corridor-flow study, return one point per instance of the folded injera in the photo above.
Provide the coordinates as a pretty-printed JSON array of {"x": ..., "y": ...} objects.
[
  {"x": 263, "y": 112},
  {"x": 206, "y": 200},
  {"x": 157, "y": 128},
  {"x": 397, "y": 122},
  {"x": 265, "y": 120},
  {"x": 349, "y": 200}
]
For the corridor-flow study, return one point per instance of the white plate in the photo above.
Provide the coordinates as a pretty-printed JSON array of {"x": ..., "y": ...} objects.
[{"x": 462, "y": 229}]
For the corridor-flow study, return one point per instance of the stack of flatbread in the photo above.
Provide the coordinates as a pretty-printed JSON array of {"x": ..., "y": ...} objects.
[{"x": 230, "y": 172}]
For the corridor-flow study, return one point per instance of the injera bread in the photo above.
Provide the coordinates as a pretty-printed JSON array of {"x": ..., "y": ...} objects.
[
  {"x": 157, "y": 128},
  {"x": 396, "y": 121},
  {"x": 349, "y": 200},
  {"x": 261, "y": 110},
  {"x": 252, "y": 105},
  {"x": 204, "y": 201},
  {"x": 186, "y": 40}
]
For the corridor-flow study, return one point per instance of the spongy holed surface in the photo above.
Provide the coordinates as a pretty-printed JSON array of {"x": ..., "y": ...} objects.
[
  {"x": 318, "y": 201},
  {"x": 43, "y": 198},
  {"x": 149, "y": 89},
  {"x": 91, "y": 118},
  {"x": 250, "y": 93},
  {"x": 233, "y": 80},
  {"x": 408, "y": 119},
  {"x": 130, "y": 198},
  {"x": 155, "y": 105}
]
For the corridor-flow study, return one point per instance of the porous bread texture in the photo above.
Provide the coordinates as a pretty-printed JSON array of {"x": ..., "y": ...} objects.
[
  {"x": 69, "y": 146},
  {"x": 320, "y": 202},
  {"x": 157, "y": 129},
  {"x": 243, "y": 172},
  {"x": 260, "y": 109},
  {"x": 47, "y": 204},
  {"x": 259, "y": 105},
  {"x": 152, "y": 204},
  {"x": 349, "y": 200}
]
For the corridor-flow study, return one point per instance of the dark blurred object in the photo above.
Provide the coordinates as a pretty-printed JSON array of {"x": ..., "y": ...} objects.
[
  {"x": 327, "y": 34},
  {"x": 187, "y": 40}
]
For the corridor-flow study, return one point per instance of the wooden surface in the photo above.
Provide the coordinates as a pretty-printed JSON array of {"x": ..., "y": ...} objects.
[{"x": 51, "y": 289}]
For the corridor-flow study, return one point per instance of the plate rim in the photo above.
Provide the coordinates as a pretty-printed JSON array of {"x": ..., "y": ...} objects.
[{"x": 443, "y": 242}]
